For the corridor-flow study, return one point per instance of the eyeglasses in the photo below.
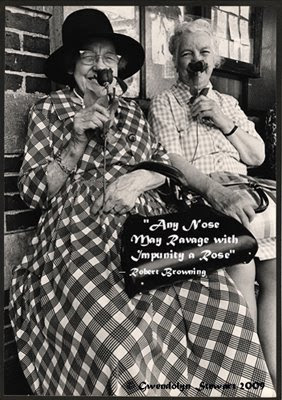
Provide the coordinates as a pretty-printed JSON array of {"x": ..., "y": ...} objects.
[{"x": 90, "y": 58}]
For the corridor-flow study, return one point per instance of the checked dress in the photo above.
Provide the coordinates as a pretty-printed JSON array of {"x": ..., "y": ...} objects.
[{"x": 77, "y": 331}]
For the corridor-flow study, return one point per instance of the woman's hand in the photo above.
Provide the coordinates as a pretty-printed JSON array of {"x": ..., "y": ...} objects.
[
  {"x": 250, "y": 148},
  {"x": 91, "y": 117},
  {"x": 121, "y": 195},
  {"x": 235, "y": 203},
  {"x": 205, "y": 107}
]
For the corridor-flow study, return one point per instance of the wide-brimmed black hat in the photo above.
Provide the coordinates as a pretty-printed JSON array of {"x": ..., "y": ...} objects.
[{"x": 78, "y": 28}]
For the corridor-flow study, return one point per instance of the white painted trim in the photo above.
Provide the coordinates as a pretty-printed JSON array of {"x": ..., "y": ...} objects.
[
  {"x": 33, "y": 34},
  {"x": 25, "y": 53},
  {"x": 27, "y": 11},
  {"x": 25, "y": 74}
]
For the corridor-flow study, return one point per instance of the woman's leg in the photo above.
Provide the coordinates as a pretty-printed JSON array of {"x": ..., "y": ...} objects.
[
  {"x": 266, "y": 277},
  {"x": 244, "y": 277}
]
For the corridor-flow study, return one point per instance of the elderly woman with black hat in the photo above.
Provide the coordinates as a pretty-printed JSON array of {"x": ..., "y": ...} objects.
[{"x": 77, "y": 331}]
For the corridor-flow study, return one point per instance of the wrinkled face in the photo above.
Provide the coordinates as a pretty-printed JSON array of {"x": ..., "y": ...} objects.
[
  {"x": 193, "y": 47},
  {"x": 98, "y": 54}
]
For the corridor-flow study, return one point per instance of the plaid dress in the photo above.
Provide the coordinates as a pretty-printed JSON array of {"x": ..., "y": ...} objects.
[
  {"x": 77, "y": 331},
  {"x": 204, "y": 146}
]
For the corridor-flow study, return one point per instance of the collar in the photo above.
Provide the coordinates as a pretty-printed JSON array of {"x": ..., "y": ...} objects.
[
  {"x": 67, "y": 102},
  {"x": 182, "y": 92},
  {"x": 64, "y": 103}
]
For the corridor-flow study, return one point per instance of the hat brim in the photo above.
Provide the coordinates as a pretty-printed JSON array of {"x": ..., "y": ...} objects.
[{"x": 126, "y": 47}]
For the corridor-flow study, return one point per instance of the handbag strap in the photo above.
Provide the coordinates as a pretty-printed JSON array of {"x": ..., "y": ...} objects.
[
  {"x": 263, "y": 199},
  {"x": 178, "y": 179}
]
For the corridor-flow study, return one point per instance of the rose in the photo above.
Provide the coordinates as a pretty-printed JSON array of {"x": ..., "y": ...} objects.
[{"x": 104, "y": 76}]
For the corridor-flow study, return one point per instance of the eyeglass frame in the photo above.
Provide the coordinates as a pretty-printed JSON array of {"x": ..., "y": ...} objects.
[{"x": 96, "y": 58}]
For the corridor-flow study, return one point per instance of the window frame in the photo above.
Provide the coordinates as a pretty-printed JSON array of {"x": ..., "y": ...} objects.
[{"x": 237, "y": 67}]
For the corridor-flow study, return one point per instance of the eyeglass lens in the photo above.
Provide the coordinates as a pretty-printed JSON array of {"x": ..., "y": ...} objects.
[{"x": 90, "y": 58}]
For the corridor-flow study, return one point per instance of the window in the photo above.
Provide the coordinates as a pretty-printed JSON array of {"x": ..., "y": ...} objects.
[
  {"x": 233, "y": 31},
  {"x": 159, "y": 26}
]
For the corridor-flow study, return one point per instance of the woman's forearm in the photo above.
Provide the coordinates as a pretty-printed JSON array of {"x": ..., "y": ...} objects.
[
  {"x": 250, "y": 148},
  {"x": 121, "y": 195},
  {"x": 56, "y": 176},
  {"x": 196, "y": 180},
  {"x": 144, "y": 180},
  {"x": 235, "y": 204}
]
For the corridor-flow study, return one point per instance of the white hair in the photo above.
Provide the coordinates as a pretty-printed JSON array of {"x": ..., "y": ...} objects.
[{"x": 197, "y": 25}]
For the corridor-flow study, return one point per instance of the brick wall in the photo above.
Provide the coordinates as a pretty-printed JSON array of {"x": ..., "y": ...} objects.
[{"x": 26, "y": 48}]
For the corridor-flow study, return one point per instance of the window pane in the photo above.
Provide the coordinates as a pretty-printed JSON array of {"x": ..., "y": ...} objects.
[
  {"x": 160, "y": 23},
  {"x": 233, "y": 30},
  {"x": 125, "y": 20}
]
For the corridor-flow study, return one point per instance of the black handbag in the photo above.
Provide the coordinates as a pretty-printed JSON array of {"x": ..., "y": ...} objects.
[{"x": 161, "y": 250}]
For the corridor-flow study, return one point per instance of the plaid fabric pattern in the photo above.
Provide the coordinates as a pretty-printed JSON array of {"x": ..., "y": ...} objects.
[
  {"x": 206, "y": 148},
  {"x": 202, "y": 144},
  {"x": 77, "y": 332}
]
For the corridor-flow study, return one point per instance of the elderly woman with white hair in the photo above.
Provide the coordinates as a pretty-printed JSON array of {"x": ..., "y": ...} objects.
[{"x": 204, "y": 130}]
